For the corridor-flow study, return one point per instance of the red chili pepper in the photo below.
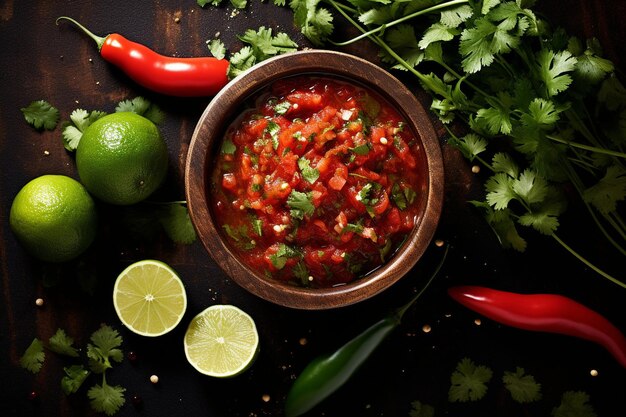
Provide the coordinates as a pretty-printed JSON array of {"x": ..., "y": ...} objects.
[
  {"x": 183, "y": 77},
  {"x": 545, "y": 313}
]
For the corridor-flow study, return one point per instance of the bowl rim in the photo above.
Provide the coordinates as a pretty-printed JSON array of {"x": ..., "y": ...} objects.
[{"x": 220, "y": 112}]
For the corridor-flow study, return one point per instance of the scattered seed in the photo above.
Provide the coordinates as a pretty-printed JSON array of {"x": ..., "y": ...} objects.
[
  {"x": 46, "y": 152},
  {"x": 303, "y": 341},
  {"x": 177, "y": 19},
  {"x": 439, "y": 243},
  {"x": 476, "y": 169},
  {"x": 265, "y": 398},
  {"x": 477, "y": 322},
  {"x": 426, "y": 328},
  {"x": 384, "y": 141},
  {"x": 154, "y": 379},
  {"x": 137, "y": 400},
  {"x": 593, "y": 372},
  {"x": 132, "y": 356},
  {"x": 39, "y": 302}
]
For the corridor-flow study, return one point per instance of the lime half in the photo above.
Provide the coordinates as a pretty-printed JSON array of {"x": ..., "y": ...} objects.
[
  {"x": 222, "y": 341},
  {"x": 149, "y": 298}
]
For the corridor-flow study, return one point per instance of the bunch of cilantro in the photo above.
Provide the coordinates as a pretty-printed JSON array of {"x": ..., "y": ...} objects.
[
  {"x": 539, "y": 109},
  {"x": 102, "y": 353}
]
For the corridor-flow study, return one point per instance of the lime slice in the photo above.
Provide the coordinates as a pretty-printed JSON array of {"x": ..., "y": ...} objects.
[
  {"x": 149, "y": 298},
  {"x": 222, "y": 341}
]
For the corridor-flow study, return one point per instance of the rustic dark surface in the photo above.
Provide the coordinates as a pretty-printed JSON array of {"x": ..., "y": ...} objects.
[{"x": 40, "y": 60}]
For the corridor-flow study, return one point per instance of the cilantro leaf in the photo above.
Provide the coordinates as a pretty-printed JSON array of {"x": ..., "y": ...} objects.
[
  {"x": 309, "y": 173},
  {"x": 61, "y": 343},
  {"x": 523, "y": 388},
  {"x": 142, "y": 107},
  {"x": 228, "y": 147},
  {"x": 264, "y": 45},
  {"x": 403, "y": 40},
  {"x": 41, "y": 115},
  {"x": 261, "y": 45},
  {"x": 611, "y": 189},
  {"x": 316, "y": 23},
  {"x": 553, "y": 69},
  {"x": 530, "y": 187},
  {"x": 574, "y": 403},
  {"x": 106, "y": 399},
  {"x": 217, "y": 48},
  {"x": 502, "y": 162},
  {"x": 471, "y": 145},
  {"x": 500, "y": 190},
  {"x": 421, "y": 410},
  {"x": 438, "y": 32},
  {"x": 79, "y": 121},
  {"x": 284, "y": 253},
  {"x": 452, "y": 17},
  {"x": 240, "y": 61},
  {"x": 502, "y": 223},
  {"x": 104, "y": 349},
  {"x": 468, "y": 381},
  {"x": 33, "y": 357},
  {"x": 74, "y": 377},
  {"x": 301, "y": 204}
]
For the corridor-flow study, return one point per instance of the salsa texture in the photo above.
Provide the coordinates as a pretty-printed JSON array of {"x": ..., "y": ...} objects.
[{"x": 318, "y": 183}]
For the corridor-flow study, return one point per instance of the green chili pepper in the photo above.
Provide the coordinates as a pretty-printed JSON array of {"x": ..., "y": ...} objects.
[{"x": 326, "y": 374}]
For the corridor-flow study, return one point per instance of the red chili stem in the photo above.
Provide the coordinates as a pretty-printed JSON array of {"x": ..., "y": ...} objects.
[
  {"x": 550, "y": 313},
  {"x": 182, "y": 77}
]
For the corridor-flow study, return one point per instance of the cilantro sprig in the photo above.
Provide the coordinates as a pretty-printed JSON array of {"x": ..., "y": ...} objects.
[{"x": 102, "y": 353}]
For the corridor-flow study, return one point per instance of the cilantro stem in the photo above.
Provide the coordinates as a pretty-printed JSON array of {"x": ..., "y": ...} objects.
[
  {"x": 586, "y": 262},
  {"x": 587, "y": 147},
  {"x": 402, "y": 19},
  {"x": 400, "y": 311},
  {"x": 576, "y": 181}
]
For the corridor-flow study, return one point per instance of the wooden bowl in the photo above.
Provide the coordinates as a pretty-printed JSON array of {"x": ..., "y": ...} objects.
[{"x": 205, "y": 145}]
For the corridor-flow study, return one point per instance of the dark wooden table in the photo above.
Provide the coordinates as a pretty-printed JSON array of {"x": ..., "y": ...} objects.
[{"x": 40, "y": 60}]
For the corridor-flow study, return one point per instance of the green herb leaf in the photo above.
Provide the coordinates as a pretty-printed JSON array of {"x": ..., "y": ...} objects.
[
  {"x": 217, "y": 48},
  {"x": 74, "y": 377},
  {"x": 471, "y": 145},
  {"x": 33, "y": 357},
  {"x": 611, "y": 189},
  {"x": 523, "y": 388},
  {"x": 105, "y": 349},
  {"x": 553, "y": 67},
  {"x": 228, "y": 147},
  {"x": 574, "y": 403},
  {"x": 316, "y": 23},
  {"x": 363, "y": 149},
  {"x": 41, "y": 115},
  {"x": 469, "y": 381},
  {"x": 79, "y": 121},
  {"x": 142, "y": 107},
  {"x": 421, "y": 410},
  {"x": 106, "y": 399},
  {"x": 61, "y": 343},
  {"x": 309, "y": 173},
  {"x": 301, "y": 204},
  {"x": 282, "y": 255}
]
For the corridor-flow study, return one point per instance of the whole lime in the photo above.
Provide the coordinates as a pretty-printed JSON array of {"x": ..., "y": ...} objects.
[
  {"x": 54, "y": 218},
  {"x": 122, "y": 158}
]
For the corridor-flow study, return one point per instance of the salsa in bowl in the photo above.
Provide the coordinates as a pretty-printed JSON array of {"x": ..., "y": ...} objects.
[{"x": 315, "y": 180}]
